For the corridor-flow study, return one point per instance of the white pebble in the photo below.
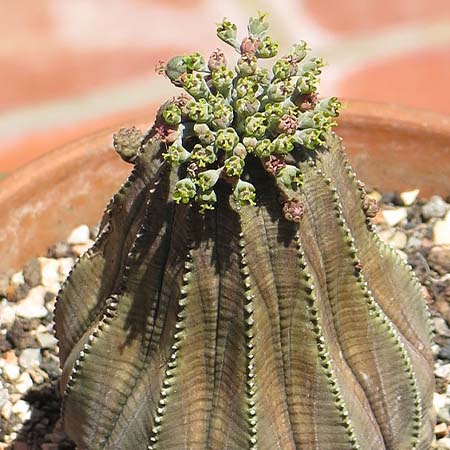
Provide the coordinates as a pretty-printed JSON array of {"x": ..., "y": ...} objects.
[
  {"x": 29, "y": 310},
  {"x": 441, "y": 231},
  {"x": 398, "y": 240},
  {"x": 443, "y": 371},
  {"x": 435, "y": 207},
  {"x": 409, "y": 197},
  {"x": 11, "y": 371},
  {"x": 49, "y": 271},
  {"x": 79, "y": 235},
  {"x": 17, "y": 278},
  {"x": 443, "y": 444},
  {"x": 32, "y": 306},
  {"x": 4, "y": 396},
  {"x": 6, "y": 410},
  {"x": 22, "y": 409},
  {"x": 29, "y": 358},
  {"x": 65, "y": 266},
  {"x": 7, "y": 313},
  {"x": 46, "y": 340},
  {"x": 78, "y": 250},
  {"x": 394, "y": 216},
  {"x": 24, "y": 383}
]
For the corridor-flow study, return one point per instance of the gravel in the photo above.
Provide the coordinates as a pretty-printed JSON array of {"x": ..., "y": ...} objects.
[{"x": 29, "y": 367}]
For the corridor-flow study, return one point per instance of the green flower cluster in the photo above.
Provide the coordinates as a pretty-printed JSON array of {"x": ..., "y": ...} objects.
[{"x": 230, "y": 115}]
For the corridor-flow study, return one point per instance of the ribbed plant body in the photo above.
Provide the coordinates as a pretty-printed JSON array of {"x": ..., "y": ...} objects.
[{"x": 276, "y": 321}]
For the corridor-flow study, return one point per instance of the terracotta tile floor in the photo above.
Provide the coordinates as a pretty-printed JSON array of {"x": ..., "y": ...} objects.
[{"x": 69, "y": 67}]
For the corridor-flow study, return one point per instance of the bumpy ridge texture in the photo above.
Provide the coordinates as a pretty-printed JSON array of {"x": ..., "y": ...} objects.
[{"x": 273, "y": 317}]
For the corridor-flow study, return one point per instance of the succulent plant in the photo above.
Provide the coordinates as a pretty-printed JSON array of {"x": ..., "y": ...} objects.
[{"x": 237, "y": 296}]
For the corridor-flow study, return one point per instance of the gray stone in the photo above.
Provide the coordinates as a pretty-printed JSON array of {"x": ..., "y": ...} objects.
[
  {"x": 30, "y": 358},
  {"x": 436, "y": 207},
  {"x": 441, "y": 326},
  {"x": 443, "y": 444},
  {"x": 60, "y": 250},
  {"x": 32, "y": 273},
  {"x": 439, "y": 259}
]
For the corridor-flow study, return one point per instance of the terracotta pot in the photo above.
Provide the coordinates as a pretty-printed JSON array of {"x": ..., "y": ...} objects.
[{"x": 391, "y": 148}]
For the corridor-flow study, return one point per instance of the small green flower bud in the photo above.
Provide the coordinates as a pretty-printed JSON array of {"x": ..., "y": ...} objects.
[
  {"x": 194, "y": 62},
  {"x": 284, "y": 69},
  {"x": 222, "y": 79},
  {"x": 222, "y": 116},
  {"x": 234, "y": 166},
  {"x": 257, "y": 26},
  {"x": 244, "y": 193},
  {"x": 290, "y": 176},
  {"x": 279, "y": 90},
  {"x": 309, "y": 138},
  {"x": 172, "y": 114},
  {"x": 207, "y": 179},
  {"x": 246, "y": 65},
  {"x": 307, "y": 84},
  {"x": 247, "y": 105},
  {"x": 184, "y": 190},
  {"x": 274, "y": 109},
  {"x": 330, "y": 106},
  {"x": 204, "y": 134},
  {"x": 227, "y": 32},
  {"x": 264, "y": 148},
  {"x": 283, "y": 144},
  {"x": 203, "y": 156},
  {"x": 245, "y": 86},
  {"x": 206, "y": 201},
  {"x": 175, "y": 68},
  {"x": 195, "y": 84},
  {"x": 313, "y": 65},
  {"x": 226, "y": 139},
  {"x": 299, "y": 50},
  {"x": 256, "y": 125},
  {"x": 199, "y": 111},
  {"x": 267, "y": 48},
  {"x": 223, "y": 113},
  {"x": 176, "y": 154},
  {"x": 323, "y": 121},
  {"x": 263, "y": 77}
]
